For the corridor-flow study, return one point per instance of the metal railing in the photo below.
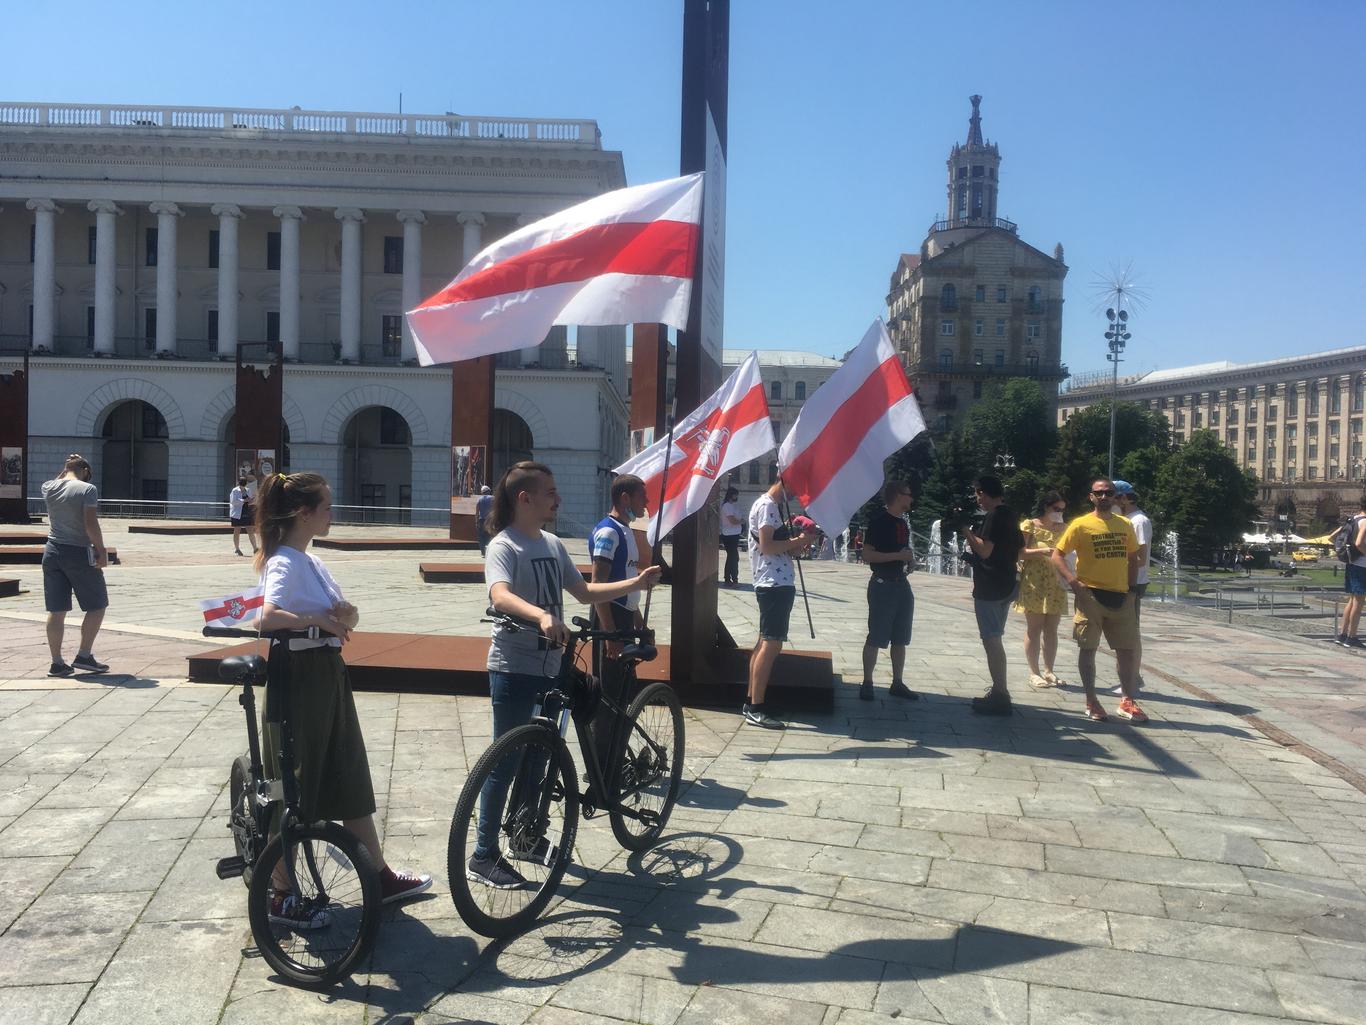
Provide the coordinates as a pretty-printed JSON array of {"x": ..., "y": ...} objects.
[
  {"x": 255, "y": 122},
  {"x": 975, "y": 222}
]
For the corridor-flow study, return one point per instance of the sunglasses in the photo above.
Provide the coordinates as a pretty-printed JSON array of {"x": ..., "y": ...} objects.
[{"x": 1104, "y": 492}]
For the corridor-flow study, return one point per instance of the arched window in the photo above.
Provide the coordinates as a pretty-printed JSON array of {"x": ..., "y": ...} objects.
[
  {"x": 799, "y": 390},
  {"x": 775, "y": 390},
  {"x": 948, "y": 297}
]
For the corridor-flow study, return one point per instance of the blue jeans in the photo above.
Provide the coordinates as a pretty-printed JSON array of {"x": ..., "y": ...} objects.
[{"x": 514, "y": 697}]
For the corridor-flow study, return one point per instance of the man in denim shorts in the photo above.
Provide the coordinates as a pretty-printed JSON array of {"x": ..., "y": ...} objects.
[
  {"x": 73, "y": 561},
  {"x": 995, "y": 548}
]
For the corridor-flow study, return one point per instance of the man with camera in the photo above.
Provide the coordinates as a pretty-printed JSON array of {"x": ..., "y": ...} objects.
[
  {"x": 995, "y": 548},
  {"x": 1107, "y": 567},
  {"x": 891, "y": 602}
]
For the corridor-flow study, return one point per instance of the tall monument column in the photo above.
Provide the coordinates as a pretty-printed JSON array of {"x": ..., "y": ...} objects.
[
  {"x": 168, "y": 215},
  {"x": 105, "y": 256}
]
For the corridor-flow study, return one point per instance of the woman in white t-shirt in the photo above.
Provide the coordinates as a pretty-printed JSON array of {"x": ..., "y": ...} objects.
[
  {"x": 239, "y": 515},
  {"x": 329, "y": 750}
]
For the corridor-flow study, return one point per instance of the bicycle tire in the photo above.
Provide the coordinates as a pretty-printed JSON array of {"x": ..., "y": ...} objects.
[
  {"x": 502, "y": 913},
  {"x": 638, "y": 779},
  {"x": 239, "y": 809},
  {"x": 324, "y": 956}
]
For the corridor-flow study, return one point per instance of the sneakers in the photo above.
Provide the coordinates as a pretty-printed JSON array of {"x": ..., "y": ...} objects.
[
  {"x": 900, "y": 690},
  {"x": 397, "y": 886},
  {"x": 542, "y": 852},
  {"x": 1039, "y": 682},
  {"x": 865, "y": 691},
  {"x": 88, "y": 664},
  {"x": 1128, "y": 709},
  {"x": 1094, "y": 712},
  {"x": 993, "y": 703},
  {"x": 494, "y": 872},
  {"x": 756, "y": 716},
  {"x": 1353, "y": 642},
  {"x": 60, "y": 669},
  {"x": 299, "y": 915}
]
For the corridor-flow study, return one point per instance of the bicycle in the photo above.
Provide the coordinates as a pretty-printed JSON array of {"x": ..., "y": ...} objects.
[
  {"x": 637, "y": 784},
  {"x": 333, "y": 878}
]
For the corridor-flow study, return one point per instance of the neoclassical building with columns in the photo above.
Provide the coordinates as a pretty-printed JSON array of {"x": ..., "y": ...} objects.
[{"x": 139, "y": 245}]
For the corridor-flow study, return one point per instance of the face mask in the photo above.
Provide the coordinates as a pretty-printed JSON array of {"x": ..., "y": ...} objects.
[{"x": 1054, "y": 516}]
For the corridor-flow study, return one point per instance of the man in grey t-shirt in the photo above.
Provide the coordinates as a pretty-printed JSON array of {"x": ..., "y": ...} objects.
[
  {"x": 73, "y": 562},
  {"x": 537, "y": 570}
]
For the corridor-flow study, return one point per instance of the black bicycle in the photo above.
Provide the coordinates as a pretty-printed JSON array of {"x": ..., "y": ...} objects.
[
  {"x": 317, "y": 932},
  {"x": 633, "y": 758}
]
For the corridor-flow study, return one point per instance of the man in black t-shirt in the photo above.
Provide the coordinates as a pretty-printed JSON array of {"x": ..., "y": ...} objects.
[
  {"x": 891, "y": 603},
  {"x": 996, "y": 546}
]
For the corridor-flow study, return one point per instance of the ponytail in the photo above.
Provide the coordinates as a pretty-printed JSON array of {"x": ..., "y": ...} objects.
[
  {"x": 279, "y": 499},
  {"x": 519, "y": 478}
]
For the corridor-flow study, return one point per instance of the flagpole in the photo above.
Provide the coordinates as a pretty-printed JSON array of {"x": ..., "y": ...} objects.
[
  {"x": 787, "y": 515},
  {"x": 659, "y": 518}
]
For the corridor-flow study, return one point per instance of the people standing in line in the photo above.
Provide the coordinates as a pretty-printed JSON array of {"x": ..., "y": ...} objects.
[
  {"x": 1354, "y": 578},
  {"x": 1043, "y": 598},
  {"x": 482, "y": 508},
  {"x": 891, "y": 602},
  {"x": 527, "y": 571},
  {"x": 1127, "y": 505},
  {"x": 1107, "y": 564},
  {"x": 329, "y": 747},
  {"x": 995, "y": 552},
  {"x": 239, "y": 515},
  {"x": 74, "y": 558},
  {"x": 731, "y": 526},
  {"x": 775, "y": 590}
]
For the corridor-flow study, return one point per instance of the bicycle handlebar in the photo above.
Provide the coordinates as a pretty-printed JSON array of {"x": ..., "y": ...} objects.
[
  {"x": 584, "y": 631},
  {"x": 313, "y": 633}
]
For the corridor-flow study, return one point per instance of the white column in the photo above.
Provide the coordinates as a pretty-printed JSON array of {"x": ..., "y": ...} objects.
[
  {"x": 351, "y": 220},
  {"x": 290, "y": 218},
  {"x": 412, "y": 221},
  {"x": 168, "y": 215},
  {"x": 472, "y": 243},
  {"x": 106, "y": 255},
  {"x": 532, "y": 353},
  {"x": 228, "y": 216},
  {"x": 44, "y": 271}
]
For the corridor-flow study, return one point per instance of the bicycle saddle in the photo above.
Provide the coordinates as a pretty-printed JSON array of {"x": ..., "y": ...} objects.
[
  {"x": 639, "y": 653},
  {"x": 240, "y": 668}
]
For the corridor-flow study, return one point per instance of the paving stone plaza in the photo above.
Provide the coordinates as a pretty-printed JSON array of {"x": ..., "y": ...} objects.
[{"x": 888, "y": 861}]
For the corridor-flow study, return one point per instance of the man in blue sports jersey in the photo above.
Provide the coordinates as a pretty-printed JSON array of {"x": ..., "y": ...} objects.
[{"x": 612, "y": 546}]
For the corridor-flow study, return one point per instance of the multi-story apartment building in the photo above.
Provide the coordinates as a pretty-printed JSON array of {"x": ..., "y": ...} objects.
[
  {"x": 139, "y": 245},
  {"x": 977, "y": 303}
]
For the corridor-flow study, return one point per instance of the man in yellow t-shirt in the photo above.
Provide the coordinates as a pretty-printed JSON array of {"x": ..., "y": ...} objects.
[{"x": 1107, "y": 564}]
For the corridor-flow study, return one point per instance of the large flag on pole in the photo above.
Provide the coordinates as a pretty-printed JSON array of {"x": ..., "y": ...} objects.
[
  {"x": 831, "y": 460},
  {"x": 730, "y": 428},
  {"x": 624, "y": 257},
  {"x": 235, "y": 611}
]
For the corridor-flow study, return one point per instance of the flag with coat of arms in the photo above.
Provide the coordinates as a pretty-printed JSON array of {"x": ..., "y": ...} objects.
[{"x": 237, "y": 610}]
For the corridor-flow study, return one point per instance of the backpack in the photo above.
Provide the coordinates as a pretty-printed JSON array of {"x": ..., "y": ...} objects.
[{"x": 1343, "y": 542}]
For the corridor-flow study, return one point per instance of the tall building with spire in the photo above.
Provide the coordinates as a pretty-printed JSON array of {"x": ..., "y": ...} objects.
[{"x": 976, "y": 304}]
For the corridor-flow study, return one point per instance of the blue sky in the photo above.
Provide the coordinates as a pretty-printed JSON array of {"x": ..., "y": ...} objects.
[{"x": 1215, "y": 147}]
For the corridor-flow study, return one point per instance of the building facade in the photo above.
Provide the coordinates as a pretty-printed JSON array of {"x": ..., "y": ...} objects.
[
  {"x": 1296, "y": 422},
  {"x": 976, "y": 304},
  {"x": 139, "y": 246}
]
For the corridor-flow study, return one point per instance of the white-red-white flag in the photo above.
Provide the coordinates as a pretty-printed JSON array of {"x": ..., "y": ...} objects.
[
  {"x": 235, "y": 611},
  {"x": 730, "y": 428},
  {"x": 624, "y": 257},
  {"x": 831, "y": 460}
]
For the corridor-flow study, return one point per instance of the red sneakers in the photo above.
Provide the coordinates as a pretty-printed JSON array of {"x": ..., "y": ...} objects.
[{"x": 1128, "y": 709}]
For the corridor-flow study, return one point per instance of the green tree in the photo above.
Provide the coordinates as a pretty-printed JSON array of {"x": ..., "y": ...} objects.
[
  {"x": 948, "y": 484},
  {"x": 1023, "y": 488},
  {"x": 1141, "y": 468},
  {"x": 1203, "y": 495},
  {"x": 1083, "y": 448},
  {"x": 1011, "y": 418}
]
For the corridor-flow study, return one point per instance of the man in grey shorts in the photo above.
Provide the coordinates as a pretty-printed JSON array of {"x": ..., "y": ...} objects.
[{"x": 73, "y": 561}]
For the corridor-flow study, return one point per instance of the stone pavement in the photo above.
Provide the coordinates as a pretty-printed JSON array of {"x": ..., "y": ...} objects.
[{"x": 887, "y": 861}]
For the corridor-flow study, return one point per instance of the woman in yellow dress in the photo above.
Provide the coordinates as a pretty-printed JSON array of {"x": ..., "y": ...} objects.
[{"x": 1043, "y": 599}]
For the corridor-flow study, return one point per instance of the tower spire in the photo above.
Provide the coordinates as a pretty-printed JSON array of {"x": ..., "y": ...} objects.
[{"x": 975, "y": 122}]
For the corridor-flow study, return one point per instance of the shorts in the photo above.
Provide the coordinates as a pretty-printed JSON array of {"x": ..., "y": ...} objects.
[
  {"x": 329, "y": 749},
  {"x": 891, "y": 607},
  {"x": 775, "y": 611},
  {"x": 1092, "y": 620},
  {"x": 991, "y": 616},
  {"x": 67, "y": 569},
  {"x": 240, "y": 521},
  {"x": 1354, "y": 580}
]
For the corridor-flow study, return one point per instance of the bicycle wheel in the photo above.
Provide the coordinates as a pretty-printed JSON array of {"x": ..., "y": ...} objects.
[
  {"x": 644, "y": 781},
  {"x": 535, "y": 831},
  {"x": 340, "y": 892},
  {"x": 240, "y": 818}
]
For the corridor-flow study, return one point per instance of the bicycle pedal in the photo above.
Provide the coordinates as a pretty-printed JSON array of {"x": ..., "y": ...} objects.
[{"x": 230, "y": 868}]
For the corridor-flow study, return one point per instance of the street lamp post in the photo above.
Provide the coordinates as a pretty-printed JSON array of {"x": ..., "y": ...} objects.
[
  {"x": 1116, "y": 336},
  {"x": 1005, "y": 464}
]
